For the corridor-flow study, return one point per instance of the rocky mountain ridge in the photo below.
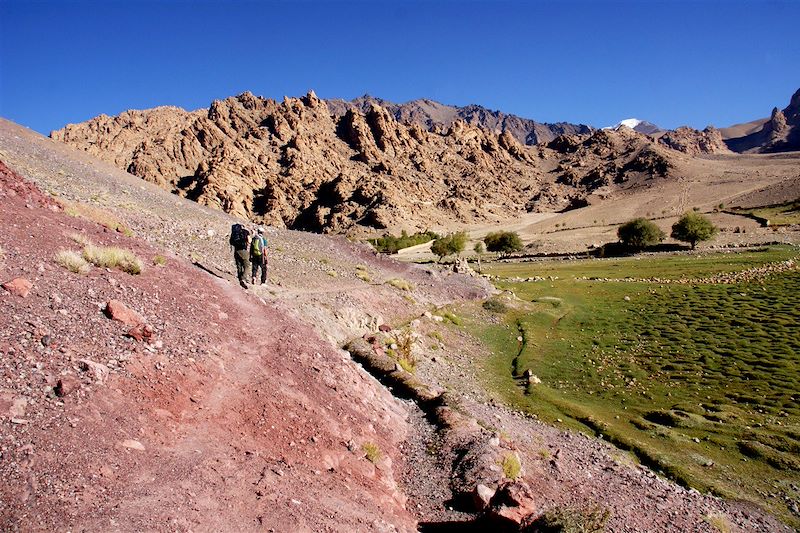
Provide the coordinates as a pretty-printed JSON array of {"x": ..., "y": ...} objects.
[
  {"x": 294, "y": 164},
  {"x": 780, "y": 133},
  {"x": 436, "y": 116}
]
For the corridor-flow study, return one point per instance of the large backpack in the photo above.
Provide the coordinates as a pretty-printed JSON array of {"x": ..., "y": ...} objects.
[
  {"x": 239, "y": 237},
  {"x": 257, "y": 246}
]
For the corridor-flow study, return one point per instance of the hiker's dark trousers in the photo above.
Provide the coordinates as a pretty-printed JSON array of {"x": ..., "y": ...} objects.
[
  {"x": 255, "y": 264},
  {"x": 240, "y": 256}
]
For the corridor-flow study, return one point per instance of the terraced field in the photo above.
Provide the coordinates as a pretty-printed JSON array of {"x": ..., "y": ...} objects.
[{"x": 700, "y": 380}]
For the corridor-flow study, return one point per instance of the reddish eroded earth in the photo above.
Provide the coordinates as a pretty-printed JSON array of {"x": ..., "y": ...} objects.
[{"x": 234, "y": 416}]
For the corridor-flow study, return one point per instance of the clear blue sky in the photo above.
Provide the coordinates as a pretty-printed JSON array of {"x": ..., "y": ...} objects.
[{"x": 673, "y": 63}]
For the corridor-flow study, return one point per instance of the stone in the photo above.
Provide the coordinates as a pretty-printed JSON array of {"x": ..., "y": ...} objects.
[
  {"x": 116, "y": 310},
  {"x": 481, "y": 496},
  {"x": 133, "y": 445},
  {"x": 140, "y": 332},
  {"x": 98, "y": 370},
  {"x": 511, "y": 504},
  {"x": 66, "y": 385},
  {"x": 18, "y": 287},
  {"x": 385, "y": 328}
]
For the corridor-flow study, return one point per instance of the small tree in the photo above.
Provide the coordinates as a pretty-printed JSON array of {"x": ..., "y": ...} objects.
[
  {"x": 692, "y": 228},
  {"x": 503, "y": 242},
  {"x": 640, "y": 233},
  {"x": 479, "y": 249},
  {"x": 453, "y": 243}
]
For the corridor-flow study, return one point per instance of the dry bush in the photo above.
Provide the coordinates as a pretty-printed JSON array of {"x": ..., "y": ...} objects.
[
  {"x": 405, "y": 350},
  {"x": 72, "y": 261},
  {"x": 111, "y": 257}
]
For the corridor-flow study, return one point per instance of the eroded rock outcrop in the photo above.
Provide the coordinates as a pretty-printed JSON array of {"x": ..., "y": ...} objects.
[{"x": 295, "y": 164}]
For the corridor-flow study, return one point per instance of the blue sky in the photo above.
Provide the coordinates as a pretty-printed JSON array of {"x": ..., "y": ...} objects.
[{"x": 673, "y": 63}]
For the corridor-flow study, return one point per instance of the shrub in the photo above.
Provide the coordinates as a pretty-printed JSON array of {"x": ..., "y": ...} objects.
[
  {"x": 511, "y": 466},
  {"x": 390, "y": 244},
  {"x": 495, "y": 306},
  {"x": 159, "y": 260},
  {"x": 371, "y": 451},
  {"x": 111, "y": 257},
  {"x": 567, "y": 520},
  {"x": 640, "y": 233},
  {"x": 692, "y": 228},
  {"x": 503, "y": 241},
  {"x": 72, "y": 261},
  {"x": 452, "y": 244}
]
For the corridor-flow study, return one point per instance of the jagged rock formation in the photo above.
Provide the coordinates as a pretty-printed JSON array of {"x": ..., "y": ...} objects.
[
  {"x": 781, "y": 133},
  {"x": 295, "y": 164},
  {"x": 434, "y": 116},
  {"x": 695, "y": 142}
]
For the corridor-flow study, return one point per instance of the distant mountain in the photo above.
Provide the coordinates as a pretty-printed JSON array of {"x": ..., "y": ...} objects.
[
  {"x": 642, "y": 126},
  {"x": 779, "y": 133},
  {"x": 434, "y": 115}
]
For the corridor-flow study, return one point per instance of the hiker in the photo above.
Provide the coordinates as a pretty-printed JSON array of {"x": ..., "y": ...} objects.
[
  {"x": 258, "y": 256},
  {"x": 239, "y": 241}
]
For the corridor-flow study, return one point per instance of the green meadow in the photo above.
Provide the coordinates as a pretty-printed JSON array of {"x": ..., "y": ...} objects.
[{"x": 699, "y": 381}]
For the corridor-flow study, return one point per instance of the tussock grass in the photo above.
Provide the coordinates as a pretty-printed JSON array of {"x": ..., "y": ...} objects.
[
  {"x": 452, "y": 318},
  {"x": 159, "y": 260},
  {"x": 400, "y": 284},
  {"x": 112, "y": 257},
  {"x": 511, "y": 466},
  {"x": 80, "y": 238},
  {"x": 363, "y": 274},
  {"x": 719, "y": 522},
  {"x": 371, "y": 451},
  {"x": 72, "y": 261}
]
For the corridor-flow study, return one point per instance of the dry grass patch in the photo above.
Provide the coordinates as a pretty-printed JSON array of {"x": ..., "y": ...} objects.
[
  {"x": 159, "y": 260},
  {"x": 72, "y": 261},
  {"x": 111, "y": 257},
  {"x": 401, "y": 284},
  {"x": 80, "y": 238},
  {"x": 371, "y": 451},
  {"x": 95, "y": 214}
]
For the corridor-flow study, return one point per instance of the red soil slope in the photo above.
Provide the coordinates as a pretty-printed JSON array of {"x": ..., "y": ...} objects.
[{"x": 233, "y": 417}]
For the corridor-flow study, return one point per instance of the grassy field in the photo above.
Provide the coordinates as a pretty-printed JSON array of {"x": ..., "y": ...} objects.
[
  {"x": 778, "y": 215},
  {"x": 700, "y": 381}
]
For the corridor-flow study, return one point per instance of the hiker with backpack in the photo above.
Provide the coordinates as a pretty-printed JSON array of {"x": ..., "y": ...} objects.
[
  {"x": 258, "y": 256},
  {"x": 240, "y": 240}
]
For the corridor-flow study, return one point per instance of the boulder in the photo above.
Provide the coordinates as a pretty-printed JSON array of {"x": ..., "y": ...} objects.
[
  {"x": 66, "y": 385},
  {"x": 98, "y": 370},
  {"x": 140, "y": 332},
  {"x": 116, "y": 310},
  {"x": 512, "y": 504},
  {"x": 482, "y": 496},
  {"x": 18, "y": 287}
]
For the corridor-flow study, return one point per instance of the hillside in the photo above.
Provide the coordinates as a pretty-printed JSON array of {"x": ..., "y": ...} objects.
[{"x": 238, "y": 410}]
